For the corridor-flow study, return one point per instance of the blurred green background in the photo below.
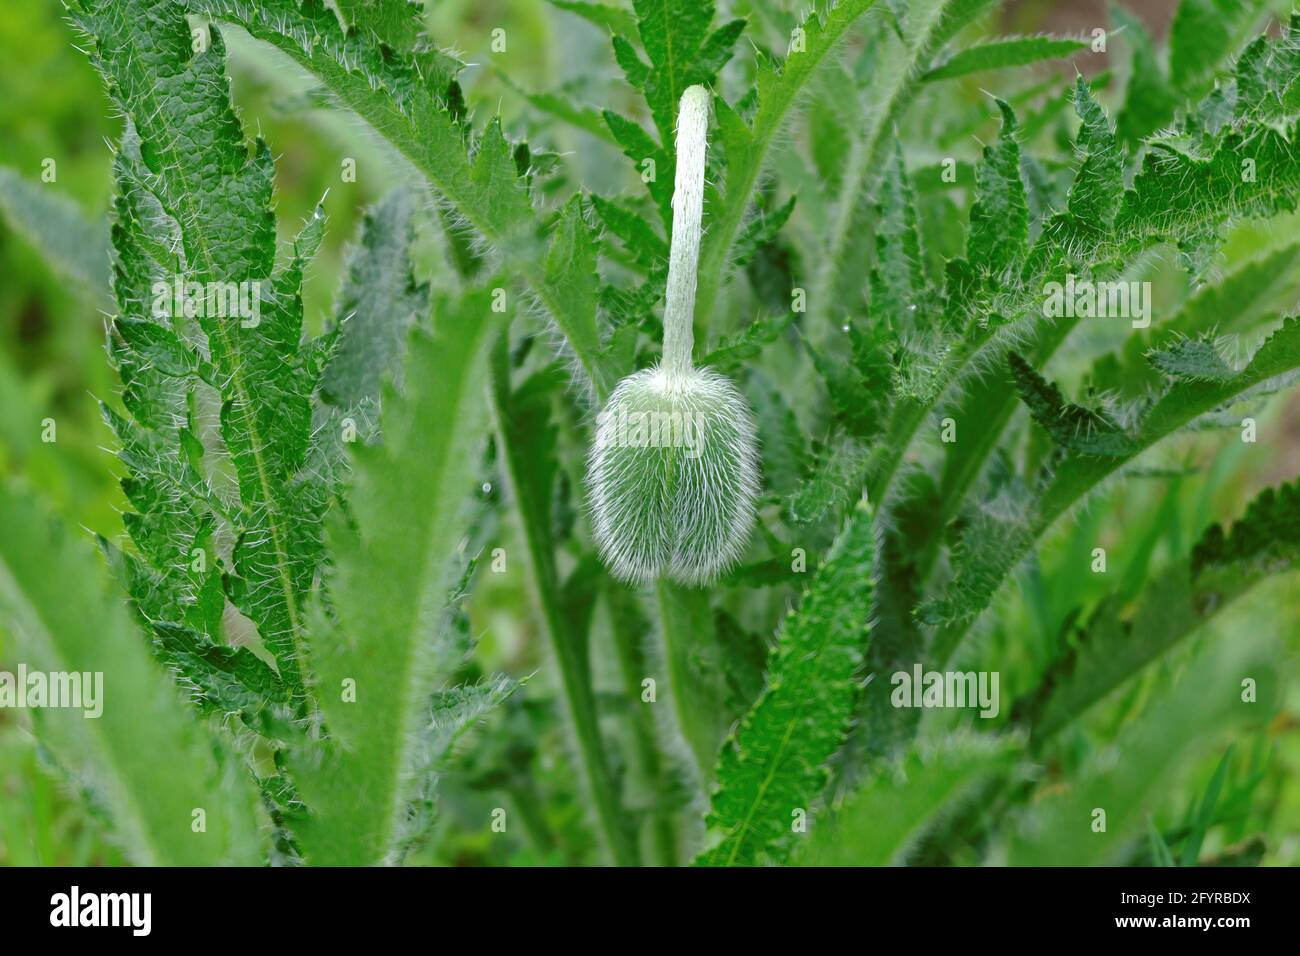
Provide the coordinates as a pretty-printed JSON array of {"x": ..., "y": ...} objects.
[{"x": 53, "y": 365}]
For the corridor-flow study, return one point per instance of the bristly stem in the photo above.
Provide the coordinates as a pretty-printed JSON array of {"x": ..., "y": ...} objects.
[{"x": 688, "y": 212}]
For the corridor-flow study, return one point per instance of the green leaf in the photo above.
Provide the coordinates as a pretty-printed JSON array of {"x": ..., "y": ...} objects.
[
  {"x": 760, "y": 231},
  {"x": 70, "y": 241},
  {"x": 697, "y": 679},
  {"x": 1115, "y": 645},
  {"x": 987, "y": 555},
  {"x": 638, "y": 237},
  {"x": 744, "y": 347},
  {"x": 836, "y": 477},
  {"x": 1160, "y": 854},
  {"x": 1193, "y": 360},
  {"x": 882, "y": 821},
  {"x": 226, "y": 680},
  {"x": 397, "y": 23},
  {"x": 897, "y": 283},
  {"x": 1002, "y": 53},
  {"x": 527, "y": 438},
  {"x": 607, "y": 16},
  {"x": 896, "y": 70},
  {"x": 1203, "y": 705},
  {"x": 999, "y": 217},
  {"x": 559, "y": 103},
  {"x": 682, "y": 52},
  {"x": 1202, "y": 35},
  {"x": 388, "y": 588},
  {"x": 1205, "y": 812},
  {"x": 188, "y": 181},
  {"x": 1177, "y": 196},
  {"x": 747, "y": 144},
  {"x": 1071, "y": 426},
  {"x": 775, "y": 762},
  {"x": 1149, "y": 99},
  {"x": 406, "y": 100},
  {"x": 570, "y": 273},
  {"x": 143, "y": 758},
  {"x": 451, "y": 715},
  {"x": 1098, "y": 187},
  {"x": 377, "y": 305}
]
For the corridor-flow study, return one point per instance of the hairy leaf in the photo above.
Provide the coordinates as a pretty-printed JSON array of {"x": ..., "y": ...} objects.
[
  {"x": 142, "y": 757},
  {"x": 378, "y": 304},
  {"x": 388, "y": 588},
  {"x": 775, "y": 763}
]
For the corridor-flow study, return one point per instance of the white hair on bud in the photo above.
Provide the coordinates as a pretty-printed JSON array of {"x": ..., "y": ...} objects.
[
  {"x": 679, "y": 504},
  {"x": 673, "y": 473}
]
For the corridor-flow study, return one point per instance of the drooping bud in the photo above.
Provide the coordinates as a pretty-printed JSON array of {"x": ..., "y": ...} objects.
[{"x": 673, "y": 473}]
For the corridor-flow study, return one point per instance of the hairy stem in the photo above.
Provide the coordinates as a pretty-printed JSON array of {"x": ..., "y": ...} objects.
[{"x": 688, "y": 210}]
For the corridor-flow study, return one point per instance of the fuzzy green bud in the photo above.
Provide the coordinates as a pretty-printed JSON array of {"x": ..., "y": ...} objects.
[{"x": 673, "y": 473}]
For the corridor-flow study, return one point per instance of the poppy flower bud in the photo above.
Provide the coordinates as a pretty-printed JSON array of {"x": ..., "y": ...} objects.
[{"x": 673, "y": 472}]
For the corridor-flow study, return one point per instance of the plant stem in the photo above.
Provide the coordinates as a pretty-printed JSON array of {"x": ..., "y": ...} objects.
[
  {"x": 694, "y": 671},
  {"x": 627, "y": 626},
  {"x": 570, "y": 649},
  {"x": 688, "y": 211}
]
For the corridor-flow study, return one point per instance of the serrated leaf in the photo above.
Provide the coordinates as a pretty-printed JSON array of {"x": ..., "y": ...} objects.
[
  {"x": 733, "y": 352},
  {"x": 1098, "y": 186},
  {"x": 1192, "y": 359},
  {"x": 1071, "y": 426},
  {"x": 836, "y": 477},
  {"x": 417, "y": 106},
  {"x": 377, "y": 305},
  {"x": 1267, "y": 536},
  {"x": 1003, "y": 53},
  {"x": 747, "y": 144},
  {"x": 570, "y": 272},
  {"x": 1114, "y": 645},
  {"x": 451, "y": 715},
  {"x": 226, "y": 680},
  {"x": 776, "y": 760},
  {"x": 196, "y": 186},
  {"x": 999, "y": 217},
  {"x": 638, "y": 237},
  {"x": 985, "y": 560},
  {"x": 761, "y": 230},
  {"x": 682, "y": 52},
  {"x": 897, "y": 283},
  {"x": 388, "y": 587}
]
